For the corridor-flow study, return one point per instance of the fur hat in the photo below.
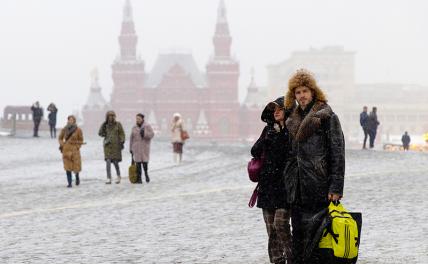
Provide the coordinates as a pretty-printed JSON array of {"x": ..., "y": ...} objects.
[{"x": 303, "y": 78}]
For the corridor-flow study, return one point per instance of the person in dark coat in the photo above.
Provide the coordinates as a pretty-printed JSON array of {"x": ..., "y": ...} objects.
[
  {"x": 372, "y": 124},
  {"x": 405, "y": 139},
  {"x": 363, "y": 122},
  {"x": 114, "y": 139},
  {"x": 52, "y": 119},
  {"x": 37, "y": 117},
  {"x": 272, "y": 146},
  {"x": 314, "y": 173}
]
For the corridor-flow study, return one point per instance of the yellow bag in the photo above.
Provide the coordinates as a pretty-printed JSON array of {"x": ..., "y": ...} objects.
[
  {"x": 342, "y": 235},
  {"x": 132, "y": 172}
]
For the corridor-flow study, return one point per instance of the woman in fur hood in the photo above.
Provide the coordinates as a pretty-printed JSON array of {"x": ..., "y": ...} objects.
[
  {"x": 314, "y": 174},
  {"x": 273, "y": 147},
  {"x": 177, "y": 128}
]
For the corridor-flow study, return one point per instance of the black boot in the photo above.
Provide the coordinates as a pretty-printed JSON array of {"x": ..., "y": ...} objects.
[
  {"x": 145, "y": 166},
  {"x": 69, "y": 179},
  {"x": 77, "y": 179}
]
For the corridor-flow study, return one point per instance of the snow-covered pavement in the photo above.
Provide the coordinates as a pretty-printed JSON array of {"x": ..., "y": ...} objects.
[{"x": 193, "y": 213}]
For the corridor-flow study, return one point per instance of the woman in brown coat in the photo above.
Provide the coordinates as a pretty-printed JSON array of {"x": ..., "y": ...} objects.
[
  {"x": 70, "y": 141},
  {"x": 139, "y": 146}
]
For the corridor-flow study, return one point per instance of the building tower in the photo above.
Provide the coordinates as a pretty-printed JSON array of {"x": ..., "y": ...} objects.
[
  {"x": 127, "y": 71},
  {"x": 222, "y": 81}
]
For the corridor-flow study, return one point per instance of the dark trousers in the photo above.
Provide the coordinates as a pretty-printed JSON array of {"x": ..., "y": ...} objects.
[
  {"x": 366, "y": 133},
  {"x": 139, "y": 172},
  {"x": 108, "y": 167},
  {"x": 319, "y": 256},
  {"x": 70, "y": 176},
  {"x": 36, "y": 128},
  {"x": 278, "y": 228},
  {"x": 372, "y": 136},
  {"x": 52, "y": 131}
]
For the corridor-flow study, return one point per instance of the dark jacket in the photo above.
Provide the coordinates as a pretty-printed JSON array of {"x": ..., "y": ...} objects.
[
  {"x": 37, "y": 113},
  {"x": 52, "y": 115},
  {"x": 372, "y": 122},
  {"x": 405, "y": 139},
  {"x": 317, "y": 160},
  {"x": 273, "y": 145},
  {"x": 114, "y": 139},
  {"x": 363, "y": 119}
]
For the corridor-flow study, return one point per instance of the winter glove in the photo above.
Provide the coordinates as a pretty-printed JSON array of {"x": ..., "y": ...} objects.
[{"x": 142, "y": 132}]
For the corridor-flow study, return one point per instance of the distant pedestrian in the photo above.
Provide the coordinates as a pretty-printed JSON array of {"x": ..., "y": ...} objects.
[
  {"x": 37, "y": 117},
  {"x": 70, "y": 140},
  {"x": 177, "y": 129},
  {"x": 273, "y": 147},
  {"x": 405, "y": 139},
  {"x": 114, "y": 139},
  {"x": 372, "y": 124},
  {"x": 52, "y": 119},
  {"x": 363, "y": 122},
  {"x": 139, "y": 145}
]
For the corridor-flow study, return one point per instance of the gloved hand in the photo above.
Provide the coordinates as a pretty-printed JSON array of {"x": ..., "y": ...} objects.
[{"x": 142, "y": 132}]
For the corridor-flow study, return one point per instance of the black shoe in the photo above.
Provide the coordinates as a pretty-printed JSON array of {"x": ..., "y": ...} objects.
[
  {"x": 77, "y": 181},
  {"x": 147, "y": 179},
  {"x": 69, "y": 186}
]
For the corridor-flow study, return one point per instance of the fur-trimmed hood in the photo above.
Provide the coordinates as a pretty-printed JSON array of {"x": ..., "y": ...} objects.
[
  {"x": 303, "y": 78},
  {"x": 301, "y": 129}
]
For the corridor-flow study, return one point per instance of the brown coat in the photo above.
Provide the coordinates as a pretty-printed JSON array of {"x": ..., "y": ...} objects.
[
  {"x": 71, "y": 150},
  {"x": 139, "y": 146}
]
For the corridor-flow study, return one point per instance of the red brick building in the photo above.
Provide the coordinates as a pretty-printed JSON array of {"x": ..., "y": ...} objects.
[{"x": 208, "y": 101}]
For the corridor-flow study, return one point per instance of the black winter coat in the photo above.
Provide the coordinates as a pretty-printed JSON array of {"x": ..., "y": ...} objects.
[
  {"x": 37, "y": 113},
  {"x": 274, "y": 146},
  {"x": 372, "y": 122},
  {"x": 317, "y": 160}
]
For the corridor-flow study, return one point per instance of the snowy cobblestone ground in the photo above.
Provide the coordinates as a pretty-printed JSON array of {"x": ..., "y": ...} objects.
[{"x": 194, "y": 213}]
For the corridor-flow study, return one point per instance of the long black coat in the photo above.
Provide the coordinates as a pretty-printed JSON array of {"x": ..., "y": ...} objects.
[
  {"x": 271, "y": 183},
  {"x": 37, "y": 113},
  {"x": 317, "y": 163}
]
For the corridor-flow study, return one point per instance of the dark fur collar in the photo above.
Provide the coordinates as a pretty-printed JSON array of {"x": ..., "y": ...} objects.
[{"x": 303, "y": 129}]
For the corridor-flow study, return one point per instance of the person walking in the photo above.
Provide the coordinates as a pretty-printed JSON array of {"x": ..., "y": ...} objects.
[
  {"x": 273, "y": 147},
  {"x": 139, "y": 145},
  {"x": 405, "y": 139},
  {"x": 363, "y": 122},
  {"x": 372, "y": 124},
  {"x": 114, "y": 140},
  {"x": 177, "y": 129},
  {"x": 37, "y": 117},
  {"x": 314, "y": 173},
  {"x": 70, "y": 140},
  {"x": 52, "y": 119}
]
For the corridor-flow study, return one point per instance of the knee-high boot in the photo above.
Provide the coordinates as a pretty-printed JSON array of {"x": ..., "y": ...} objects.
[{"x": 69, "y": 176}]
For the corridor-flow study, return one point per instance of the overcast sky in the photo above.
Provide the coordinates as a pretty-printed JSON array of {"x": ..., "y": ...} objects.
[{"x": 48, "y": 47}]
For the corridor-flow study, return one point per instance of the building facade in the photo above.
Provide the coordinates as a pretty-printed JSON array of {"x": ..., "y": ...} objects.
[{"x": 208, "y": 101}]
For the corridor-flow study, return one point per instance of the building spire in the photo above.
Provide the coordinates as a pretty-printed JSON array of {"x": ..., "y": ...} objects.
[
  {"x": 222, "y": 40},
  {"x": 127, "y": 11},
  {"x": 221, "y": 12}
]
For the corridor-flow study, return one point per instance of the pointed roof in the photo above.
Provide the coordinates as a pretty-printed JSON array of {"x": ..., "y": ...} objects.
[
  {"x": 254, "y": 97},
  {"x": 95, "y": 99},
  {"x": 202, "y": 119},
  {"x": 127, "y": 11},
  {"x": 221, "y": 12},
  {"x": 166, "y": 61},
  {"x": 152, "y": 118}
]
